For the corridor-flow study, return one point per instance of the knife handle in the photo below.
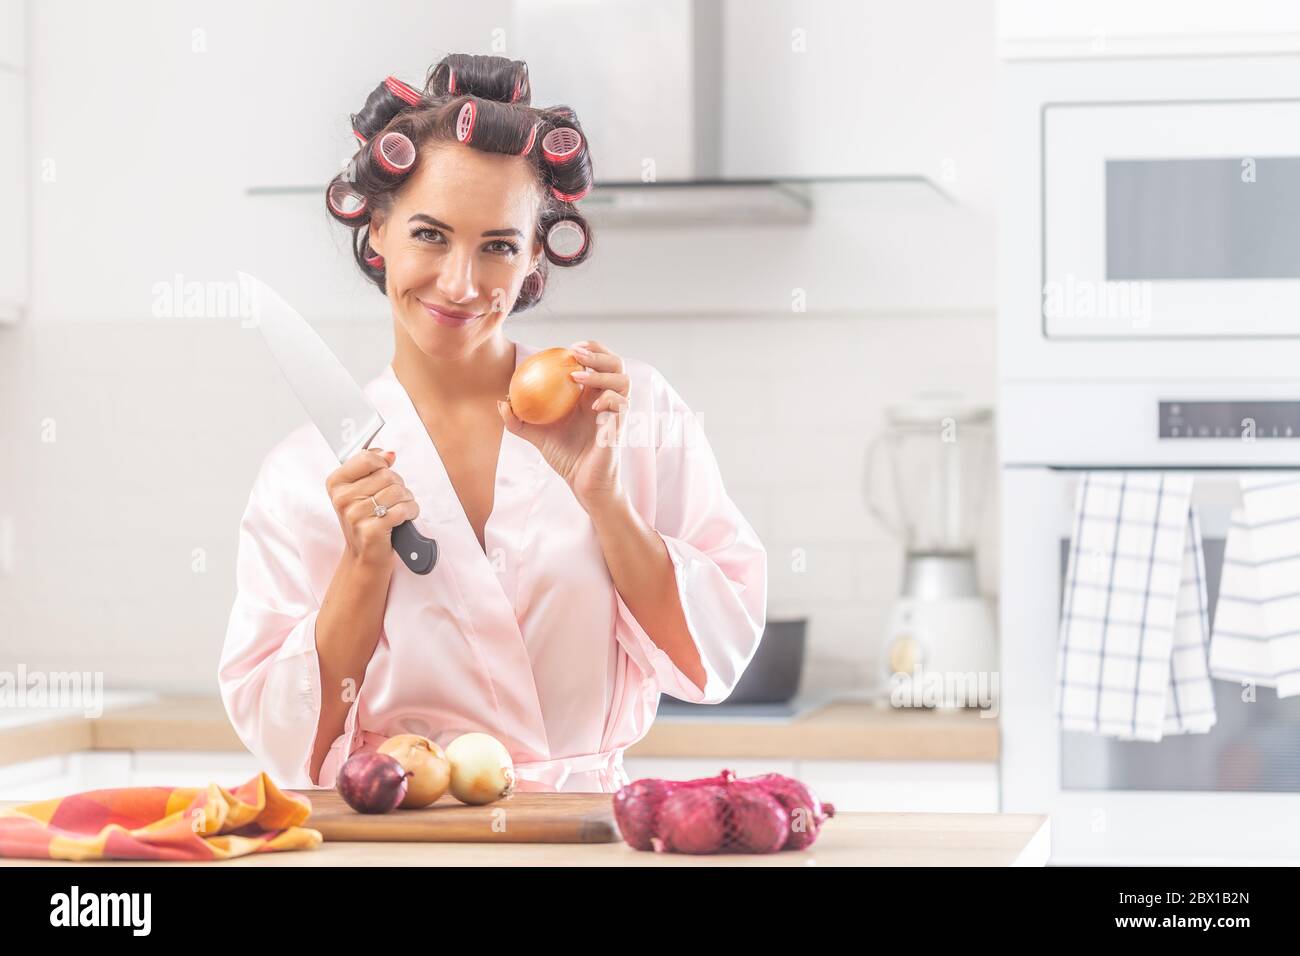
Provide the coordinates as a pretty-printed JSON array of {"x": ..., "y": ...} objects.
[{"x": 417, "y": 552}]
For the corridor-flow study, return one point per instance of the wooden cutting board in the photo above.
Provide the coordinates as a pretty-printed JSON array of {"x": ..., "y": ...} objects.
[{"x": 519, "y": 818}]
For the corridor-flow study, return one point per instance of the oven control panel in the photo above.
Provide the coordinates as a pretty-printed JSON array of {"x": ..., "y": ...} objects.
[{"x": 1235, "y": 420}]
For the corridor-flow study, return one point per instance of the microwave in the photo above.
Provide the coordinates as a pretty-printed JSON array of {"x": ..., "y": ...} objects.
[{"x": 1170, "y": 219}]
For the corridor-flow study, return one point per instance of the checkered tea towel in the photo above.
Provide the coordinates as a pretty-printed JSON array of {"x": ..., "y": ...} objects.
[
  {"x": 1135, "y": 617},
  {"x": 1257, "y": 625}
]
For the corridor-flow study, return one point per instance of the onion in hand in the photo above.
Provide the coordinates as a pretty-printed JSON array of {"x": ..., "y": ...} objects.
[{"x": 542, "y": 391}]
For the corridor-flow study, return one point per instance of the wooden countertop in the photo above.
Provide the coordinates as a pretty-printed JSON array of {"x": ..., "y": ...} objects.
[
  {"x": 850, "y": 839},
  {"x": 843, "y": 730}
]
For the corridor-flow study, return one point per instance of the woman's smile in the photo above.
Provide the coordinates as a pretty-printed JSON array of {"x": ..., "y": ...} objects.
[{"x": 451, "y": 318}]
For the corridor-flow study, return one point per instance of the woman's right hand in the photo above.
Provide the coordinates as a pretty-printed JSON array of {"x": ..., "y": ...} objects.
[{"x": 366, "y": 475}]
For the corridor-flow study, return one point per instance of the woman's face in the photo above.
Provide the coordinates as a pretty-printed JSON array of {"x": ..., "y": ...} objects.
[{"x": 458, "y": 239}]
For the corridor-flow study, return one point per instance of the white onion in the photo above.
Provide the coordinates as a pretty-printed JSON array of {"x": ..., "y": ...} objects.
[{"x": 481, "y": 769}]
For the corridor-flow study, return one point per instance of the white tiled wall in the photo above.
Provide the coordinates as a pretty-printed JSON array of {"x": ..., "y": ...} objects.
[{"x": 124, "y": 544}]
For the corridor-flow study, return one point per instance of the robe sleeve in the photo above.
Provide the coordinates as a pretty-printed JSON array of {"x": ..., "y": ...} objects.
[
  {"x": 269, "y": 672},
  {"x": 719, "y": 562}
]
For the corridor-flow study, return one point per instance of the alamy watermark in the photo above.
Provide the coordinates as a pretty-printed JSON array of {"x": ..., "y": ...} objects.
[
  {"x": 924, "y": 688},
  {"x": 58, "y": 690},
  {"x": 1088, "y": 299}
]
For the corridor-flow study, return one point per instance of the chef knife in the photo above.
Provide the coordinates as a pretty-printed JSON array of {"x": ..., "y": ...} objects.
[{"x": 335, "y": 403}]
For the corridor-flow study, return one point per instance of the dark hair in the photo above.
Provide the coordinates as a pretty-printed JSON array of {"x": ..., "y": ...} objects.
[{"x": 482, "y": 102}]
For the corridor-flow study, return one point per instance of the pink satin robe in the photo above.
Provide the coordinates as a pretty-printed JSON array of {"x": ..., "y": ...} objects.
[{"x": 530, "y": 641}]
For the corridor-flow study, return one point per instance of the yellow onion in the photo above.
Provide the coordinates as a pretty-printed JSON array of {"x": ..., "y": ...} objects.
[
  {"x": 429, "y": 769},
  {"x": 541, "y": 390},
  {"x": 481, "y": 769}
]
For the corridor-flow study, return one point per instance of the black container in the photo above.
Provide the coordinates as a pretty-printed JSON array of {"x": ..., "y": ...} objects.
[{"x": 772, "y": 676}]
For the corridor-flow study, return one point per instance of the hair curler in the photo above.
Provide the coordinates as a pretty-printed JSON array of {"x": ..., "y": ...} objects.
[
  {"x": 532, "y": 139},
  {"x": 361, "y": 139},
  {"x": 402, "y": 91},
  {"x": 533, "y": 284},
  {"x": 451, "y": 79},
  {"x": 345, "y": 202},
  {"x": 395, "y": 153},
  {"x": 566, "y": 239},
  {"x": 570, "y": 197},
  {"x": 561, "y": 145},
  {"x": 465, "y": 122}
]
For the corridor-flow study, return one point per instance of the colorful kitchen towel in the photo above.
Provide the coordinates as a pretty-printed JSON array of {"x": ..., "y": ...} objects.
[
  {"x": 1135, "y": 615},
  {"x": 1257, "y": 624},
  {"x": 160, "y": 823}
]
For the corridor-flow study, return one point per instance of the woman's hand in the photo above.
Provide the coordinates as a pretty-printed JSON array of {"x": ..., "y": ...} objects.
[
  {"x": 583, "y": 446},
  {"x": 351, "y": 487}
]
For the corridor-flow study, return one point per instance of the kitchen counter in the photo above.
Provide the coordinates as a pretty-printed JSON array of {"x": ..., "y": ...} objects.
[
  {"x": 850, "y": 839},
  {"x": 840, "y": 730}
]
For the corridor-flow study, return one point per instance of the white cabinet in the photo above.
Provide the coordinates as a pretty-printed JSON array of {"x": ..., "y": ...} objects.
[
  {"x": 912, "y": 786},
  {"x": 15, "y": 236}
]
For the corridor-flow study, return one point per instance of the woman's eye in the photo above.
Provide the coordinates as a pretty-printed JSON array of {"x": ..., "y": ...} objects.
[{"x": 435, "y": 235}]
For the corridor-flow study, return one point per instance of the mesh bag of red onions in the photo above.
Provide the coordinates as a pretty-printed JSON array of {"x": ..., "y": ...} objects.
[{"x": 720, "y": 814}]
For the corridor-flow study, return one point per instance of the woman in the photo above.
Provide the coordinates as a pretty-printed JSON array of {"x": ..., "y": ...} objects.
[{"x": 584, "y": 566}]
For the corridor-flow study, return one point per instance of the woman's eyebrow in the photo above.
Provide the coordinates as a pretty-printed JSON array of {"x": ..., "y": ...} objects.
[{"x": 422, "y": 217}]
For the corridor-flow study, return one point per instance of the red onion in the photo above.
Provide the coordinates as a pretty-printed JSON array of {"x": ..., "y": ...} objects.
[
  {"x": 720, "y": 814},
  {"x": 692, "y": 820},
  {"x": 757, "y": 822},
  {"x": 636, "y": 810},
  {"x": 806, "y": 812},
  {"x": 372, "y": 782}
]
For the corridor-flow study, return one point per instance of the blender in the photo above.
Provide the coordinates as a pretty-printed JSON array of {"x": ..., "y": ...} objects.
[{"x": 925, "y": 479}]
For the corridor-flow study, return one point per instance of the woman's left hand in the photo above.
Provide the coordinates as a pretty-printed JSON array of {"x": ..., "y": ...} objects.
[{"x": 583, "y": 446}]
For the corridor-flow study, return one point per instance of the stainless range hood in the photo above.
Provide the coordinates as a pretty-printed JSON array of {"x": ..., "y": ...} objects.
[
  {"x": 674, "y": 147},
  {"x": 650, "y": 87}
]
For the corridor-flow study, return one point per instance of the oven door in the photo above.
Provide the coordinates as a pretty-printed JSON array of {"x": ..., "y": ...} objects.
[
  {"x": 1230, "y": 795},
  {"x": 1171, "y": 219}
]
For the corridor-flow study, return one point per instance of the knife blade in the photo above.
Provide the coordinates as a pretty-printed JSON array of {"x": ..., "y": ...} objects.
[{"x": 331, "y": 397}]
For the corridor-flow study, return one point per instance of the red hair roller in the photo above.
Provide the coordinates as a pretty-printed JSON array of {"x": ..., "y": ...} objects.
[
  {"x": 344, "y": 202},
  {"x": 570, "y": 197},
  {"x": 561, "y": 144},
  {"x": 402, "y": 91},
  {"x": 395, "y": 153},
  {"x": 518, "y": 81},
  {"x": 465, "y": 122},
  {"x": 451, "y": 79},
  {"x": 532, "y": 138},
  {"x": 361, "y": 139},
  {"x": 566, "y": 239},
  {"x": 533, "y": 285}
]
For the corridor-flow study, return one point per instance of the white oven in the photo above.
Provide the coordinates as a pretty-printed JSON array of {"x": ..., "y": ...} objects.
[{"x": 1149, "y": 305}]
